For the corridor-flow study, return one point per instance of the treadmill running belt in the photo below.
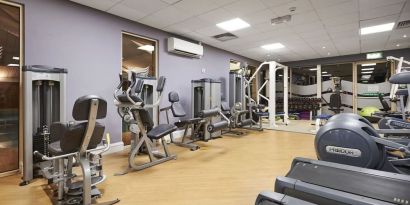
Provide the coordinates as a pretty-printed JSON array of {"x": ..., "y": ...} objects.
[{"x": 370, "y": 185}]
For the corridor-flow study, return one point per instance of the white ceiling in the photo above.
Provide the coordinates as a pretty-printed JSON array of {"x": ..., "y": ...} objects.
[{"x": 333, "y": 24}]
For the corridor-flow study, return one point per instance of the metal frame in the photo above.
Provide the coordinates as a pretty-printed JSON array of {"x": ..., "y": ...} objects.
[{"x": 271, "y": 83}]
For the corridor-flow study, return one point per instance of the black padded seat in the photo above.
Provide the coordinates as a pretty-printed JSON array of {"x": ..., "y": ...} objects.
[
  {"x": 400, "y": 78},
  {"x": 182, "y": 123},
  {"x": 54, "y": 149},
  {"x": 160, "y": 131},
  {"x": 402, "y": 92},
  {"x": 262, "y": 114},
  {"x": 123, "y": 98}
]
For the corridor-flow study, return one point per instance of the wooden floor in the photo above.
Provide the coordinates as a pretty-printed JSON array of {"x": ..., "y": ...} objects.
[{"x": 231, "y": 170}]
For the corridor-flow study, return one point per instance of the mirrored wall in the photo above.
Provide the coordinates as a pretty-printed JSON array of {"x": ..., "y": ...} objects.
[{"x": 10, "y": 64}]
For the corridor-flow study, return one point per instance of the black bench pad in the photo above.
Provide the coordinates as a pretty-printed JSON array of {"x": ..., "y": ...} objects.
[
  {"x": 182, "y": 123},
  {"x": 123, "y": 98},
  {"x": 54, "y": 149},
  {"x": 160, "y": 131}
]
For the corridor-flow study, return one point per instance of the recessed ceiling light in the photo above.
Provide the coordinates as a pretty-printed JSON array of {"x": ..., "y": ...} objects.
[
  {"x": 16, "y": 58},
  {"x": 273, "y": 46},
  {"x": 367, "y": 72},
  {"x": 367, "y": 69},
  {"x": 398, "y": 45},
  {"x": 312, "y": 68},
  {"x": 376, "y": 29},
  {"x": 233, "y": 24},
  {"x": 328, "y": 53},
  {"x": 404, "y": 36},
  {"x": 368, "y": 64},
  {"x": 323, "y": 47},
  {"x": 149, "y": 48}
]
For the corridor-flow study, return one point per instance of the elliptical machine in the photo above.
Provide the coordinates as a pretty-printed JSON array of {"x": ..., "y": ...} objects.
[{"x": 350, "y": 139}]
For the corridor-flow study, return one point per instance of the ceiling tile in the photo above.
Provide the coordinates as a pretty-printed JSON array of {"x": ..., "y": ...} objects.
[
  {"x": 260, "y": 16},
  {"x": 304, "y": 18},
  {"x": 165, "y": 17},
  {"x": 326, "y": 3},
  {"x": 311, "y": 27},
  {"x": 405, "y": 14},
  {"x": 347, "y": 18},
  {"x": 301, "y": 6},
  {"x": 244, "y": 7},
  {"x": 188, "y": 25},
  {"x": 98, "y": 4},
  {"x": 126, "y": 12},
  {"x": 210, "y": 31},
  {"x": 369, "y": 4},
  {"x": 339, "y": 10},
  {"x": 377, "y": 21},
  {"x": 196, "y": 7},
  {"x": 217, "y": 16},
  {"x": 272, "y": 3},
  {"x": 145, "y": 6},
  {"x": 380, "y": 11}
]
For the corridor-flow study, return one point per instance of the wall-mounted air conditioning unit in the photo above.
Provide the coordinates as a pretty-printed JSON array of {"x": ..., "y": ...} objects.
[{"x": 185, "y": 48}]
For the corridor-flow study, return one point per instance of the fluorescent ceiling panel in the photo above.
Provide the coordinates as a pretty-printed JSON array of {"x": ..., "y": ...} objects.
[
  {"x": 376, "y": 29},
  {"x": 273, "y": 46},
  {"x": 233, "y": 24}
]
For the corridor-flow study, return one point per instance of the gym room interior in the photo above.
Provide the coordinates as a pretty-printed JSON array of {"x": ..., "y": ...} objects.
[{"x": 204, "y": 102}]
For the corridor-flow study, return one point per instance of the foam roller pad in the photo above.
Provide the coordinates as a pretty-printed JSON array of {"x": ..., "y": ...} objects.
[
  {"x": 217, "y": 126},
  {"x": 209, "y": 113}
]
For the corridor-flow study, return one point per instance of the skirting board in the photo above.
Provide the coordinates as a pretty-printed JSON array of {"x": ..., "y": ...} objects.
[{"x": 119, "y": 146}]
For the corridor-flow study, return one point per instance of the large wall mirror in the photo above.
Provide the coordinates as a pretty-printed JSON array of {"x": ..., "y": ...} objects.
[
  {"x": 139, "y": 54},
  {"x": 10, "y": 64}
]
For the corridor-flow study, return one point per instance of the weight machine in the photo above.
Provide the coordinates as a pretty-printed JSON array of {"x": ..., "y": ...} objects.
[{"x": 270, "y": 85}]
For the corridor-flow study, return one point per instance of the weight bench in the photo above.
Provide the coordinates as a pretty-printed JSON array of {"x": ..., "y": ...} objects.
[{"x": 194, "y": 124}]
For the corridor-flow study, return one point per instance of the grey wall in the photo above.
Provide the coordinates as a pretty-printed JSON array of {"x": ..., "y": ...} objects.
[
  {"x": 348, "y": 58},
  {"x": 88, "y": 43}
]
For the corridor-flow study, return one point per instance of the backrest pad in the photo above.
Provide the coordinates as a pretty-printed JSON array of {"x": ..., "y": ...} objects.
[{"x": 81, "y": 107}]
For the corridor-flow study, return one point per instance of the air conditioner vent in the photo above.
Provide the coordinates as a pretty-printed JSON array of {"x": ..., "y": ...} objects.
[
  {"x": 403, "y": 24},
  {"x": 225, "y": 37}
]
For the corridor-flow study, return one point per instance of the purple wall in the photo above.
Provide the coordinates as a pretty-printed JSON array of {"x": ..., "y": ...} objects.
[{"x": 88, "y": 43}]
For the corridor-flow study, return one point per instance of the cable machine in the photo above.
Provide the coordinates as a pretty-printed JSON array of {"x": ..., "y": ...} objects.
[{"x": 44, "y": 103}]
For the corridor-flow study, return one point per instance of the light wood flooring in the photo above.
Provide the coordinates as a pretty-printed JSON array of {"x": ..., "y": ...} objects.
[{"x": 230, "y": 170}]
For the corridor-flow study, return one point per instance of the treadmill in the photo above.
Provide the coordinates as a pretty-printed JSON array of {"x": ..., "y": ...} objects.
[
  {"x": 321, "y": 182},
  {"x": 273, "y": 198}
]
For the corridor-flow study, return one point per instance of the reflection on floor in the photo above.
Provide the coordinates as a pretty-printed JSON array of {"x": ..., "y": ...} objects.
[
  {"x": 229, "y": 171},
  {"x": 299, "y": 126}
]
